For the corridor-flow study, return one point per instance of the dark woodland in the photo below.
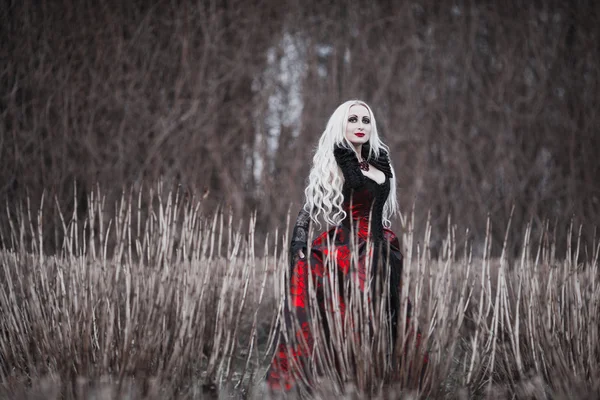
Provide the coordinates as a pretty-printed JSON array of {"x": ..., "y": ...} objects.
[
  {"x": 486, "y": 106},
  {"x": 152, "y": 153}
]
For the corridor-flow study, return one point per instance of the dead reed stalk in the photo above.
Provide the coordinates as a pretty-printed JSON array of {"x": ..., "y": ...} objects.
[{"x": 151, "y": 297}]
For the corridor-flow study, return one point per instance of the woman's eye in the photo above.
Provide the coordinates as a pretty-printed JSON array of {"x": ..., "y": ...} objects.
[
  {"x": 352, "y": 119},
  {"x": 366, "y": 121}
]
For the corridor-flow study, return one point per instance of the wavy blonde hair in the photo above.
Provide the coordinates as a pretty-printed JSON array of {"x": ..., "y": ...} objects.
[{"x": 324, "y": 191}]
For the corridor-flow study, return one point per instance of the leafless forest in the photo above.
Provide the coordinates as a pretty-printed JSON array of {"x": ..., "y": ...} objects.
[
  {"x": 484, "y": 105},
  {"x": 110, "y": 111}
]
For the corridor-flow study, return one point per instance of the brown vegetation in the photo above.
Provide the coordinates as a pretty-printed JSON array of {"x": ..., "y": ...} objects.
[
  {"x": 491, "y": 113},
  {"x": 182, "y": 307},
  {"x": 485, "y": 105}
]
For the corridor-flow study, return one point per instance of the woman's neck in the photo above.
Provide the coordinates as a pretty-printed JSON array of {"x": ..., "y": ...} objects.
[{"x": 358, "y": 149}]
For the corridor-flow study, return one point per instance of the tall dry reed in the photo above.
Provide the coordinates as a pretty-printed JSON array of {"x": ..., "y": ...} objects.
[
  {"x": 155, "y": 291},
  {"x": 153, "y": 297}
]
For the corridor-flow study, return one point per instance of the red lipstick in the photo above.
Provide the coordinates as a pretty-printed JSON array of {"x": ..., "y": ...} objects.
[{"x": 359, "y": 134}]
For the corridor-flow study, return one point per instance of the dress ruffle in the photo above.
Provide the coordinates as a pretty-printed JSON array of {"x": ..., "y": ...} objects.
[
  {"x": 333, "y": 247},
  {"x": 360, "y": 251}
]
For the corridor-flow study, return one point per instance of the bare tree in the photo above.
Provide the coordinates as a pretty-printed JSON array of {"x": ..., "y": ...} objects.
[{"x": 489, "y": 109}]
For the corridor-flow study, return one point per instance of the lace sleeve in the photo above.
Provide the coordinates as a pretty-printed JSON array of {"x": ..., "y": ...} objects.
[{"x": 299, "y": 235}]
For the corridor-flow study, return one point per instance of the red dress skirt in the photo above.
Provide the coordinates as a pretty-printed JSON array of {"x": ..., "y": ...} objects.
[{"x": 330, "y": 251}]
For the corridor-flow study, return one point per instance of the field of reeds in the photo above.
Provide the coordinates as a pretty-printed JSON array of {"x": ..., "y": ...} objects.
[{"x": 155, "y": 297}]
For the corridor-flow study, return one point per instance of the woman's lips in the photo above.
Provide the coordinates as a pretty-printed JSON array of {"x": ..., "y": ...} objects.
[{"x": 359, "y": 134}]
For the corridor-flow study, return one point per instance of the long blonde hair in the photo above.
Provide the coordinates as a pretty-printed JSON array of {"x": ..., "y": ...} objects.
[{"x": 324, "y": 191}]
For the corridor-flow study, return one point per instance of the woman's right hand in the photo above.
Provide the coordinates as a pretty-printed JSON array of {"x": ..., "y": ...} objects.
[{"x": 297, "y": 251}]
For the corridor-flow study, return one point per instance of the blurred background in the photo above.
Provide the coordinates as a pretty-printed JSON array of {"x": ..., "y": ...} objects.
[{"x": 487, "y": 107}]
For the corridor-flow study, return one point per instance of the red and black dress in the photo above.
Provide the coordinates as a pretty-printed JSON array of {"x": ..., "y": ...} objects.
[{"x": 362, "y": 232}]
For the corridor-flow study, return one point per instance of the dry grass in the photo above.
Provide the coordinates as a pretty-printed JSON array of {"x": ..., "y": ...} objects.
[{"x": 153, "y": 298}]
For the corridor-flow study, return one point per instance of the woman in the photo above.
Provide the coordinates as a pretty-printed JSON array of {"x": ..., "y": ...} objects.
[{"x": 352, "y": 188}]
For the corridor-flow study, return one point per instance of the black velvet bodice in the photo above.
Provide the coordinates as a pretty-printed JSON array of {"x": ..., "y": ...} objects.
[
  {"x": 363, "y": 198},
  {"x": 364, "y": 206}
]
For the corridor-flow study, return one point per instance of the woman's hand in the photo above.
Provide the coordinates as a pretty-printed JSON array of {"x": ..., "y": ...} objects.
[{"x": 297, "y": 251}]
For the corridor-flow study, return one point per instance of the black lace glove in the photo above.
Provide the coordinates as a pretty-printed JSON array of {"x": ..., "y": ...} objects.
[
  {"x": 348, "y": 163},
  {"x": 299, "y": 236}
]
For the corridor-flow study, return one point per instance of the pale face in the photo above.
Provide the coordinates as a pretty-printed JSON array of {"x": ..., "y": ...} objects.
[{"x": 358, "y": 128}]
